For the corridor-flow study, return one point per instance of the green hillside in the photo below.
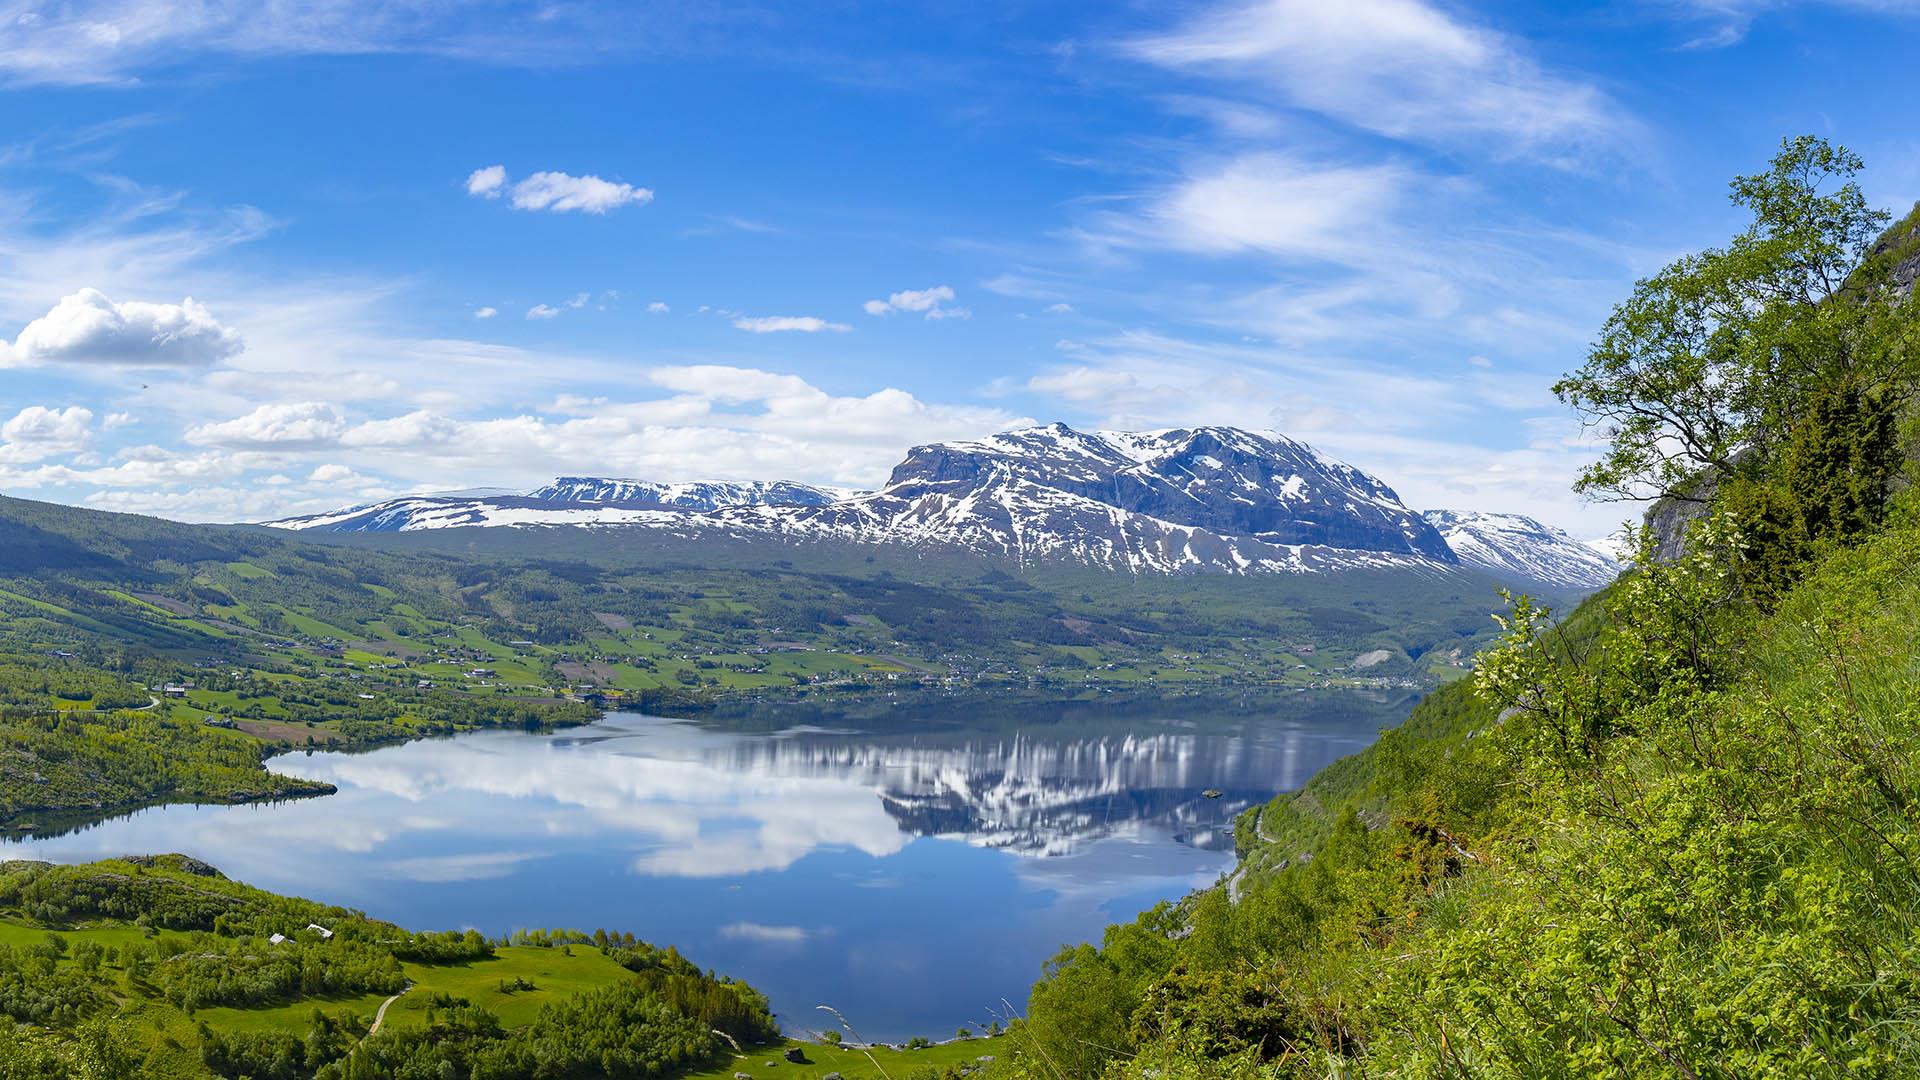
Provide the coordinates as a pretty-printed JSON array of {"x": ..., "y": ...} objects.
[{"x": 1674, "y": 833}]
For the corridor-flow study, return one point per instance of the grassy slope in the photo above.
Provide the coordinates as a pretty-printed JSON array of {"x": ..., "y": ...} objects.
[{"x": 1737, "y": 871}]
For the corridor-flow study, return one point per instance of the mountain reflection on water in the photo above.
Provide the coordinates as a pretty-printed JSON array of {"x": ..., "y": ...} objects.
[{"x": 914, "y": 878}]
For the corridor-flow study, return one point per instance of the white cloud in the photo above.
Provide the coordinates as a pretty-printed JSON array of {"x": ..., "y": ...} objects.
[
  {"x": 765, "y": 934},
  {"x": 87, "y": 327},
  {"x": 773, "y": 324},
  {"x": 1726, "y": 22},
  {"x": 291, "y": 425},
  {"x": 487, "y": 182},
  {"x": 1269, "y": 203},
  {"x": 548, "y": 311},
  {"x": 418, "y": 428},
  {"x": 658, "y": 307},
  {"x": 37, "y": 432},
  {"x": 1402, "y": 68},
  {"x": 485, "y": 312},
  {"x": 556, "y": 192},
  {"x": 336, "y": 475},
  {"x": 560, "y": 193},
  {"x": 928, "y": 302},
  {"x": 109, "y": 42}
]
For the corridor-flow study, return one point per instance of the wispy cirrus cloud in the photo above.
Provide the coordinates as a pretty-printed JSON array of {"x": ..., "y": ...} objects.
[
  {"x": 1405, "y": 69},
  {"x": 1721, "y": 23},
  {"x": 116, "y": 43},
  {"x": 777, "y": 324}
]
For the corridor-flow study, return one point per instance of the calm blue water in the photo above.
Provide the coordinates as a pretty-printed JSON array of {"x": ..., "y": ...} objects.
[{"x": 916, "y": 881}]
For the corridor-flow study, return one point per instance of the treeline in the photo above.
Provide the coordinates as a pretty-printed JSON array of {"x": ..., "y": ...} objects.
[{"x": 1672, "y": 834}]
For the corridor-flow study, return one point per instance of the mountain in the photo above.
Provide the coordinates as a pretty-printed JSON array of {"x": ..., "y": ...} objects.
[
  {"x": 1512, "y": 546},
  {"x": 569, "y": 500},
  {"x": 1187, "y": 499},
  {"x": 1215, "y": 499}
]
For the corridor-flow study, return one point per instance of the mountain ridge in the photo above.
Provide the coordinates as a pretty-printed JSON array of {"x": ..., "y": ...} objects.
[{"x": 1201, "y": 499}]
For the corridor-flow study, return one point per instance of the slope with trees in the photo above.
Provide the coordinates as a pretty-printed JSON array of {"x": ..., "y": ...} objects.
[{"x": 1673, "y": 833}]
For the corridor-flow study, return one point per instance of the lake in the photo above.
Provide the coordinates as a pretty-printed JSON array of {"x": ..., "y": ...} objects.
[{"x": 913, "y": 871}]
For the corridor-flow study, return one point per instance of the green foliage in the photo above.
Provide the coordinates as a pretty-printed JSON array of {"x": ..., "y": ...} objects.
[{"x": 1720, "y": 353}]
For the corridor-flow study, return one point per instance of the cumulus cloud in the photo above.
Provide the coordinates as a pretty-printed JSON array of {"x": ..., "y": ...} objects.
[
  {"x": 37, "y": 432},
  {"x": 485, "y": 312},
  {"x": 658, "y": 307},
  {"x": 335, "y": 475},
  {"x": 559, "y": 192},
  {"x": 774, "y": 324},
  {"x": 487, "y": 182},
  {"x": 556, "y": 192},
  {"x": 88, "y": 327},
  {"x": 289, "y": 426},
  {"x": 930, "y": 303}
]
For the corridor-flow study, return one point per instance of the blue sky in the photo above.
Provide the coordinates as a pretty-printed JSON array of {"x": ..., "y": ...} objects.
[{"x": 262, "y": 258}]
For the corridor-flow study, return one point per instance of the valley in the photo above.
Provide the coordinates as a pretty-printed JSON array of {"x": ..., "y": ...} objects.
[{"x": 239, "y": 640}]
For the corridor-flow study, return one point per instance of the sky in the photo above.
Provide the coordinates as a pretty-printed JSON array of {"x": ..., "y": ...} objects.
[{"x": 264, "y": 258}]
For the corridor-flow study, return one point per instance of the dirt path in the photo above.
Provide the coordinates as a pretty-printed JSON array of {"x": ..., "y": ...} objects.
[{"x": 380, "y": 1016}]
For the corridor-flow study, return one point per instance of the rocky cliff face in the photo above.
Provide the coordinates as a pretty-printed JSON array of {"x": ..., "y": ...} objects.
[{"x": 1901, "y": 245}]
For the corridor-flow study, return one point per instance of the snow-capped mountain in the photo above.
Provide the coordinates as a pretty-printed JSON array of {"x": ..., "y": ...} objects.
[
  {"x": 1166, "y": 501},
  {"x": 1513, "y": 546},
  {"x": 1186, "y": 499}
]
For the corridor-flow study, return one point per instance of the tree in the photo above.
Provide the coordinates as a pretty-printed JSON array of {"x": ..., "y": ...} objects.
[{"x": 1715, "y": 358}]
